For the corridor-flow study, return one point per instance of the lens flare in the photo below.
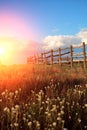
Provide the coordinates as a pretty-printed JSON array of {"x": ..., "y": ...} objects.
[{"x": 2, "y": 50}]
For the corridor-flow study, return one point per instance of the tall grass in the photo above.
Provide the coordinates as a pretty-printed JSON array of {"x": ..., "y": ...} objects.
[{"x": 42, "y": 98}]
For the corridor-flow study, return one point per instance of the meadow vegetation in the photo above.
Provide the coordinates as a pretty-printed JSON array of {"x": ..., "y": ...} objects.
[{"x": 43, "y": 97}]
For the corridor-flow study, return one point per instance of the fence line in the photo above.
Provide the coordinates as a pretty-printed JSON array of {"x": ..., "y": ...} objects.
[{"x": 69, "y": 55}]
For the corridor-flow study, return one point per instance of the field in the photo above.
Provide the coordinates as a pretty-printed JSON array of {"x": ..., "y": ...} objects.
[{"x": 43, "y": 97}]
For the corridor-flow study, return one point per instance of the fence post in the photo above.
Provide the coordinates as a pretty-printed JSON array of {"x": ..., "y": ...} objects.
[
  {"x": 45, "y": 58},
  {"x": 42, "y": 58},
  {"x": 71, "y": 55},
  {"x": 52, "y": 56},
  {"x": 60, "y": 56},
  {"x": 34, "y": 59},
  {"x": 37, "y": 59},
  {"x": 84, "y": 54}
]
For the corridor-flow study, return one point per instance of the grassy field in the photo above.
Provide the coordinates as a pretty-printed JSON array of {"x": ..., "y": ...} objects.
[{"x": 43, "y": 97}]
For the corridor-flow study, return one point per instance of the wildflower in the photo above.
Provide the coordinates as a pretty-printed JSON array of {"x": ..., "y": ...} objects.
[
  {"x": 11, "y": 94},
  {"x": 65, "y": 129},
  {"x": 77, "y": 104},
  {"x": 54, "y": 108},
  {"x": 37, "y": 124},
  {"x": 29, "y": 116},
  {"x": 58, "y": 118},
  {"x": 63, "y": 121},
  {"x": 3, "y": 93},
  {"x": 6, "y": 90},
  {"x": 59, "y": 114},
  {"x": 17, "y": 107},
  {"x": 41, "y": 108},
  {"x": 69, "y": 117},
  {"x": 29, "y": 123},
  {"x": 54, "y": 124},
  {"x": 16, "y": 92},
  {"x": 73, "y": 103},
  {"x": 19, "y": 89},
  {"x": 24, "y": 119},
  {"x": 48, "y": 87},
  {"x": 47, "y": 102},
  {"x": 43, "y": 103},
  {"x": 16, "y": 124},
  {"x": 86, "y": 85},
  {"x": 68, "y": 103},
  {"x": 79, "y": 120},
  {"x": 76, "y": 113},
  {"x": 46, "y": 113},
  {"x": 0, "y": 100},
  {"x": 32, "y": 92},
  {"x": 58, "y": 98},
  {"x": 62, "y": 112},
  {"x": 6, "y": 109},
  {"x": 61, "y": 103},
  {"x": 12, "y": 108},
  {"x": 62, "y": 107},
  {"x": 85, "y": 127},
  {"x": 26, "y": 105},
  {"x": 11, "y": 125},
  {"x": 85, "y": 105},
  {"x": 49, "y": 115}
]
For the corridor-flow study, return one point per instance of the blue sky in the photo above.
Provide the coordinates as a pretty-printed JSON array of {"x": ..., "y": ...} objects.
[
  {"x": 50, "y": 17},
  {"x": 42, "y": 24}
]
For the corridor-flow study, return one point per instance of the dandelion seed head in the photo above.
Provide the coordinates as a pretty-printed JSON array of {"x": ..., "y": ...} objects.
[
  {"x": 59, "y": 114},
  {"x": 3, "y": 93},
  {"x": 69, "y": 117},
  {"x": 54, "y": 124},
  {"x": 6, "y": 109},
  {"x": 29, "y": 123},
  {"x": 37, "y": 124},
  {"x": 0, "y": 100},
  {"x": 16, "y": 92},
  {"x": 62, "y": 112},
  {"x": 19, "y": 89},
  {"x": 17, "y": 107},
  {"x": 16, "y": 124},
  {"x": 58, "y": 119},
  {"x": 85, "y": 105},
  {"x": 79, "y": 120},
  {"x": 85, "y": 127}
]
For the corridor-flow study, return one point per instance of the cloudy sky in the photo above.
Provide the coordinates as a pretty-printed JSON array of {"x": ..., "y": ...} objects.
[{"x": 30, "y": 26}]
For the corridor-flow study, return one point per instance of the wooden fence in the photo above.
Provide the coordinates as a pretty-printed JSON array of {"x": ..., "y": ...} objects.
[{"x": 68, "y": 55}]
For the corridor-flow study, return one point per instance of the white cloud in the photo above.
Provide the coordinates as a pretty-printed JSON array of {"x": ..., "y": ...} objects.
[
  {"x": 52, "y": 42},
  {"x": 83, "y": 35}
]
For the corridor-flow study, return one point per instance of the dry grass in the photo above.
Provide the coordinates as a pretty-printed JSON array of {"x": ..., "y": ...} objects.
[{"x": 42, "y": 98}]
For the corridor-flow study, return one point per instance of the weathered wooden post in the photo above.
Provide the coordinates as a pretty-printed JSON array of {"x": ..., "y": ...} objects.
[
  {"x": 45, "y": 60},
  {"x": 71, "y": 55},
  {"x": 37, "y": 59},
  {"x": 52, "y": 56},
  {"x": 84, "y": 55},
  {"x": 34, "y": 59},
  {"x": 60, "y": 57},
  {"x": 42, "y": 58}
]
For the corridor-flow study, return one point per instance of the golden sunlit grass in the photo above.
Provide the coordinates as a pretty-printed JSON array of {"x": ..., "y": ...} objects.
[{"x": 38, "y": 97}]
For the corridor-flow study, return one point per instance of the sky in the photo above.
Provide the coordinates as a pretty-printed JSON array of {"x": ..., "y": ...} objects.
[{"x": 28, "y": 27}]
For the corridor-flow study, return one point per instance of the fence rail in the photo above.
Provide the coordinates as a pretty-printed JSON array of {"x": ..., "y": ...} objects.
[{"x": 70, "y": 55}]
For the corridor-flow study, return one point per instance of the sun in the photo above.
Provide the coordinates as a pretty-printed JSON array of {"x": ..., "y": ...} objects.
[{"x": 2, "y": 51}]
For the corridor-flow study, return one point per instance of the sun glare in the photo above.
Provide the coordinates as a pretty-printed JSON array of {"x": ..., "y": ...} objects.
[{"x": 2, "y": 50}]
